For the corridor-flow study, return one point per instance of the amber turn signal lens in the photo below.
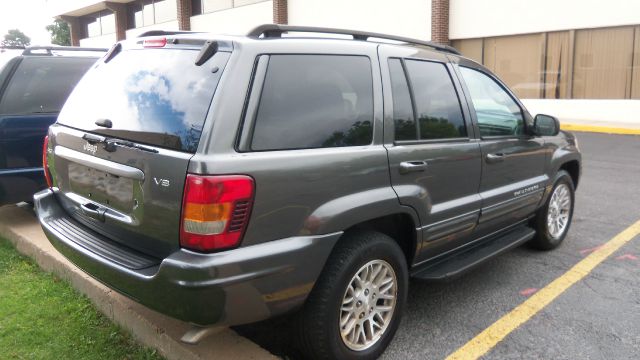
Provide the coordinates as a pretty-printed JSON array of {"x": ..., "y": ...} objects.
[{"x": 207, "y": 212}]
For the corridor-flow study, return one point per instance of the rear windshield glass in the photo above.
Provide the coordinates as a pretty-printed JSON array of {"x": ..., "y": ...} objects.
[
  {"x": 153, "y": 96},
  {"x": 42, "y": 84}
]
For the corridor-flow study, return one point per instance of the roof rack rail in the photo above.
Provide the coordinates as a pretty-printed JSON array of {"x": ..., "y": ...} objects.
[
  {"x": 275, "y": 30},
  {"x": 30, "y": 49},
  {"x": 165, "y": 32}
]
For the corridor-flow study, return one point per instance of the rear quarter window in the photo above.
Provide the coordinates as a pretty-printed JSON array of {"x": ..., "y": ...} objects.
[
  {"x": 42, "y": 84},
  {"x": 314, "y": 101}
]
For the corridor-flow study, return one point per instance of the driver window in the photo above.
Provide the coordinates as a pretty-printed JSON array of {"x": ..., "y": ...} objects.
[{"x": 498, "y": 114}]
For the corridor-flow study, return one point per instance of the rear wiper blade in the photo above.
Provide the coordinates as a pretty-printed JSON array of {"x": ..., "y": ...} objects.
[
  {"x": 93, "y": 139},
  {"x": 110, "y": 146}
]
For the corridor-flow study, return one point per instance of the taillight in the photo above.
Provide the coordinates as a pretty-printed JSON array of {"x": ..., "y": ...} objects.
[
  {"x": 215, "y": 211},
  {"x": 45, "y": 161},
  {"x": 154, "y": 42}
]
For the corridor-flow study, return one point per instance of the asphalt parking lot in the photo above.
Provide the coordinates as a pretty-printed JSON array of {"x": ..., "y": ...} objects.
[{"x": 597, "y": 318}]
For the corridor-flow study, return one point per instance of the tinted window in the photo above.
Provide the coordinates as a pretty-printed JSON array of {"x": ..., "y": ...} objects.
[
  {"x": 497, "y": 113},
  {"x": 404, "y": 121},
  {"x": 42, "y": 84},
  {"x": 153, "y": 96},
  {"x": 437, "y": 105},
  {"x": 6, "y": 56},
  {"x": 312, "y": 101},
  {"x": 7, "y": 59}
]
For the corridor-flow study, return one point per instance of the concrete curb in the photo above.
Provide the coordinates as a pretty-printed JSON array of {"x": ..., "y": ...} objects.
[
  {"x": 600, "y": 129},
  {"x": 19, "y": 225}
]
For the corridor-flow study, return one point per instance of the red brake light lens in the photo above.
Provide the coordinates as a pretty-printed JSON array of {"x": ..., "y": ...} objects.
[
  {"x": 154, "y": 42},
  {"x": 215, "y": 211},
  {"x": 45, "y": 161}
]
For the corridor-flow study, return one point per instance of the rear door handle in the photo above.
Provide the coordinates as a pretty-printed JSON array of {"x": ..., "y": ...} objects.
[
  {"x": 412, "y": 166},
  {"x": 495, "y": 158}
]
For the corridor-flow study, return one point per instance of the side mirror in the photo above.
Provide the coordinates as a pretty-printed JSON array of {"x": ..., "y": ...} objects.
[{"x": 546, "y": 125}]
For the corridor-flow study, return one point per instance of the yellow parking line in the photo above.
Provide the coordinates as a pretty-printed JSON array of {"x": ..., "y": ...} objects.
[
  {"x": 492, "y": 335},
  {"x": 600, "y": 129}
]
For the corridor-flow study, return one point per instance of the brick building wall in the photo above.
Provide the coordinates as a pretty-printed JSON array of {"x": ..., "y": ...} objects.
[
  {"x": 440, "y": 21},
  {"x": 184, "y": 14},
  {"x": 280, "y": 14},
  {"x": 121, "y": 15},
  {"x": 75, "y": 29}
]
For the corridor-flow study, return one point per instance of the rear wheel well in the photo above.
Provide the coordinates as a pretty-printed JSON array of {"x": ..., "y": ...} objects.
[
  {"x": 399, "y": 227},
  {"x": 573, "y": 168}
]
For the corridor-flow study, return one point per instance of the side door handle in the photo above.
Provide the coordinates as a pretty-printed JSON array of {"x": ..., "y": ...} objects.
[
  {"x": 412, "y": 166},
  {"x": 495, "y": 158}
]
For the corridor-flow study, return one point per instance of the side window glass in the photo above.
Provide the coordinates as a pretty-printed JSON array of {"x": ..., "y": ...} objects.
[
  {"x": 437, "y": 105},
  {"x": 315, "y": 101},
  {"x": 42, "y": 85},
  {"x": 404, "y": 121},
  {"x": 498, "y": 114}
]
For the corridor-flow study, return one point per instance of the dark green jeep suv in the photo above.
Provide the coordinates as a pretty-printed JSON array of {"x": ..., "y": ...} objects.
[{"x": 227, "y": 180}]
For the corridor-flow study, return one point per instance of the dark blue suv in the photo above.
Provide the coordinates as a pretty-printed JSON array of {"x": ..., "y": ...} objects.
[{"x": 34, "y": 84}]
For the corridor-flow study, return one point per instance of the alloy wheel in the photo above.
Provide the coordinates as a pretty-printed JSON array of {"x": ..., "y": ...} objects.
[
  {"x": 559, "y": 211},
  {"x": 368, "y": 305}
]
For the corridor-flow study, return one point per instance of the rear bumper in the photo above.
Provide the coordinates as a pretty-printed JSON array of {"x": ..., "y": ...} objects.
[{"x": 233, "y": 287}]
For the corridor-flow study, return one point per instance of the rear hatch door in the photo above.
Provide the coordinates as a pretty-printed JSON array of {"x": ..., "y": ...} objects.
[{"x": 124, "y": 139}]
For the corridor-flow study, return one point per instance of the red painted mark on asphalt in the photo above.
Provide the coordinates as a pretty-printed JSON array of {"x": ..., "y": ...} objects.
[
  {"x": 627, "y": 257},
  {"x": 590, "y": 250},
  {"x": 528, "y": 291}
]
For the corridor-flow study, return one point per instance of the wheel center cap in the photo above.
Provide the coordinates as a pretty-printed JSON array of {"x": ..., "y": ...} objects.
[{"x": 365, "y": 301}]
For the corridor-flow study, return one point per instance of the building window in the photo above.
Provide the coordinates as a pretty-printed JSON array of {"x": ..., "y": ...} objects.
[
  {"x": 148, "y": 12},
  {"x": 216, "y": 5},
  {"x": 635, "y": 77},
  {"x": 471, "y": 48},
  {"x": 556, "y": 72},
  {"x": 601, "y": 63},
  {"x": 208, "y": 6},
  {"x": 100, "y": 23},
  {"x": 517, "y": 60},
  {"x": 165, "y": 10}
]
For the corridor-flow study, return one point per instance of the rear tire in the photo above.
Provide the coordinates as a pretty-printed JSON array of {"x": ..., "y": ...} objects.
[
  {"x": 363, "y": 284},
  {"x": 553, "y": 220}
]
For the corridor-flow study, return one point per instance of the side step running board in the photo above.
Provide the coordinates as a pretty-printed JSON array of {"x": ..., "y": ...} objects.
[{"x": 460, "y": 262}]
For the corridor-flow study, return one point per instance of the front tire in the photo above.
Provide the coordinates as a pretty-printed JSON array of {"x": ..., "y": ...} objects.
[
  {"x": 355, "y": 306},
  {"x": 553, "y": 220}
]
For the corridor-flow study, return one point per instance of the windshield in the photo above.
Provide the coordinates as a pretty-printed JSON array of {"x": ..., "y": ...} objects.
[{"x": 152, "y": 96}]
